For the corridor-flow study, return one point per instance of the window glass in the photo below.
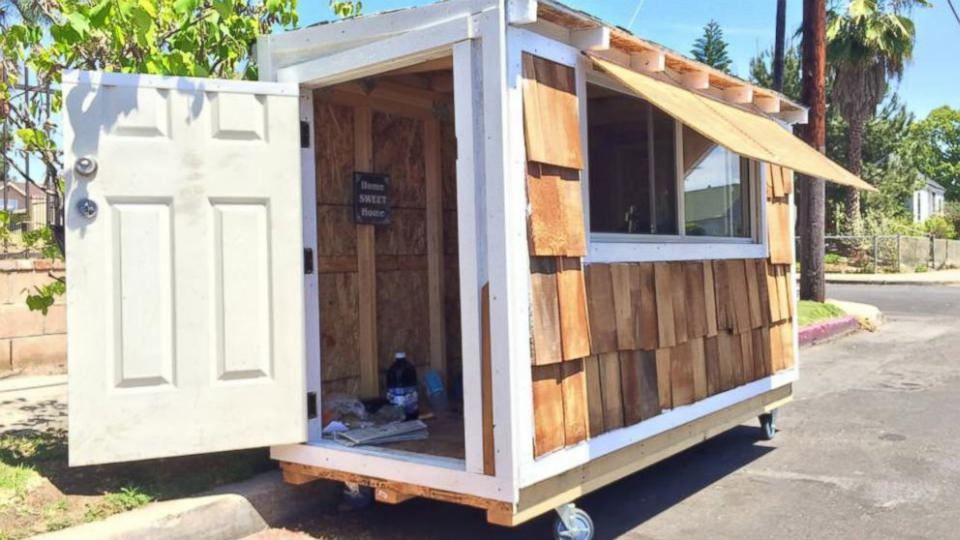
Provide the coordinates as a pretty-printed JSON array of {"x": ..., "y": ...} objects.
[
  {"x": 633, "y": 186},
  {"x": 716, "y": 191}
]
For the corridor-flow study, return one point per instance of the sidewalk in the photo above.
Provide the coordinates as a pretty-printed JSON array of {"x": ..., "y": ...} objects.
[{"x": 938, "y": 277}]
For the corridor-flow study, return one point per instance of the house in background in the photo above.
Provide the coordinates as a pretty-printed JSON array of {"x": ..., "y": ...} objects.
[
  {"x": 928, "y": 201},
  {"x": 12, "y": 197}
]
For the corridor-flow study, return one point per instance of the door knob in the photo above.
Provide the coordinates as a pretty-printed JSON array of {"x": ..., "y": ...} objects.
[
  {"x": 86, "y": 166},
  {"x": 87, "y": 208}
]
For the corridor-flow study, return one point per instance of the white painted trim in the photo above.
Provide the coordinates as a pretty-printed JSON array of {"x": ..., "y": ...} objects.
[
  {"x": 650, "y": 61},
  {"x": 569, "y": 458},
  {"x": 544, "y": 47},
  {"x": 374, "y": 27},
  {"x": 390, "y": 53},
  {"x": 521, "y": 11},
  {"x": 429, "y": 471},
  {"x": 188, "y": 84},
  {"x": 610, "y": 252},
  {"x": 591, "y": 39},
  {"x": 469, "y": 126},
  {"x": 311, "y": 288},
  {"x": 508, "y": 258}
]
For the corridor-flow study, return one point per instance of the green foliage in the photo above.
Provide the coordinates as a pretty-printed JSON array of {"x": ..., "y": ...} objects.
[
  {"x": 761, "y": 71},
  {"x": 921, "y": 268},
  {"x": 951, "y": 211},
  {"x": 5, "y": 219},
  {"x": 940, "y": 227},
  {"x": 810, "y": 312},
  {"x": 346, "y": 8},
  {"x": 711, "y": 48},
  {"x": 43, "y": 296},
  {"x": 935, "y": 142},
  {"x": 40, "y": 240},
  {"x": 834, "y": 258}
]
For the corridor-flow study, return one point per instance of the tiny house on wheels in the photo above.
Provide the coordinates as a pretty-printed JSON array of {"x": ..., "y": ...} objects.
[{"x": 587, "y": 236}]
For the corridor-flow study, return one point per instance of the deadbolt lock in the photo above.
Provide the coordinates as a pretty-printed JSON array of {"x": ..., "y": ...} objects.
[
  {"x": 87, "y": 208},
  {"x": 85, "y": 166}
]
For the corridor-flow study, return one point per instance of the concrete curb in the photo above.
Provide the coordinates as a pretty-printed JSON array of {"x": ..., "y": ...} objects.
[
  {"x": 828, "y": 330},
  {"x": 949, "y": 283},
  {"x": 870, "y": 317},
  {"x": 226, "y": 513}
]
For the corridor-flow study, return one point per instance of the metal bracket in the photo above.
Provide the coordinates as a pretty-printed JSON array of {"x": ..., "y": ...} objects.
[{"x": 308, "y": 261}]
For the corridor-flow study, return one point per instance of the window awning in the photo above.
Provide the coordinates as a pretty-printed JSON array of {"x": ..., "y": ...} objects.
[{"x": 748, "y": 134}]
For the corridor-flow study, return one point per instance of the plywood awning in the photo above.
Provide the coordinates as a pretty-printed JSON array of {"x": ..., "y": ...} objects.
[{"x": 748, "y": 134}]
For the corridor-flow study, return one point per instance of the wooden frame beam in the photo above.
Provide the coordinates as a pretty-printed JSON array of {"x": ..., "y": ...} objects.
[
  {"x": 738, "y": 94},
  {"x": 650, "y": 61},
  {"x": 591, "y": 39},
  {"x": 385, "y": 55},
  {"x": 769, "y": 104},
  {"x": 695, "y": 79}
]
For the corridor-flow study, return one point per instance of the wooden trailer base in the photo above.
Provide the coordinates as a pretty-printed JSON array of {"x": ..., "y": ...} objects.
[{"x": 567, "y": 487}]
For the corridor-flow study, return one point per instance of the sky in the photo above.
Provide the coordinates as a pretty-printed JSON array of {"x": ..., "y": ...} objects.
[{"x": 932, "y": 79}]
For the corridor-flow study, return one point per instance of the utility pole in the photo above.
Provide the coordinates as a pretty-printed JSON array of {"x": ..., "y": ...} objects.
[
  {"x": 778, "y": 45},
  {"x": 812, "y": 201}
]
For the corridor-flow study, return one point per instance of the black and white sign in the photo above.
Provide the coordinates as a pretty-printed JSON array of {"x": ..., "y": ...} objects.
[{"x": 371, "y": 198}]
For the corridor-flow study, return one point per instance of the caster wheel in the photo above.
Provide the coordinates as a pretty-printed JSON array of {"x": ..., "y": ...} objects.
[
  {"x": 768, "y": 425},
  {"x": 572, "y": 524}
]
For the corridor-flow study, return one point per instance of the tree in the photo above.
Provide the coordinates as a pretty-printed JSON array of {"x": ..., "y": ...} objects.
[
  {"x": 778, "y": 45},
  {"x": 761, "y": 71},
  {"x": 711, "y": 49},
  {"x": 812, "y": 190},
  {"x": 868, "y": 44},
  {"x": 206, "y": 38},
  {"x": 935, "y": 144},
  {"x": 346, "y": 8}
]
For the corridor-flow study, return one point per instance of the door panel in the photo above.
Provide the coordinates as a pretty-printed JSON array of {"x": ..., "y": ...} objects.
[{"x": 185, "y": 288}]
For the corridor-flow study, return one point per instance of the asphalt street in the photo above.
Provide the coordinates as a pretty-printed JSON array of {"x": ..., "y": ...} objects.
[{"x": 870, "y": 448}]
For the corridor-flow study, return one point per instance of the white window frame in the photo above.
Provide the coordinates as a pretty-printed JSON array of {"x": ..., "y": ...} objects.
[{"x": 621, "y": 247}]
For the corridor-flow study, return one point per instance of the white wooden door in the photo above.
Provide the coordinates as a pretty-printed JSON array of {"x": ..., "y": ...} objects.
[{"x": 185, "y": 304}]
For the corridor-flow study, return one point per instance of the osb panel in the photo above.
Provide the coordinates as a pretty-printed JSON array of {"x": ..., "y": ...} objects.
[
  {"x": 336, "y": 231},
  {"x": 551, "y": 113},
  {"x": 405, "y": 235},
  {"x": 398, "y": 151},
  {"x": 448, "y": 165},
  {"x": 402, "y": 306},
  {"x": 451, "y": 233},
  {"x": 555, "y": 222},
  {"x": 334, "y": 137},
  {"x": 339, "y": 346},
  {"x": 451, "y": 307},
  {"x": 349, "y": 386},
  {"x": 548, "y": 409}
]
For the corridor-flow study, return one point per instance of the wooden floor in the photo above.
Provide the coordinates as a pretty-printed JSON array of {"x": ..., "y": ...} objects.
[{"x": 445, "y": 440}]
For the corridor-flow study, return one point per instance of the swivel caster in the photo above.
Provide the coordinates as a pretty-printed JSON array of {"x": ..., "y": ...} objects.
[
  {"x": 768, "y": 425},
  {"x": 572, "y": 523}
]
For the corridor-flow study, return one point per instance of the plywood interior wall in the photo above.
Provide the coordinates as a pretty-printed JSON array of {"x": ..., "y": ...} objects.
[
  {"x": 617, "y": 344},
  {"x": 412, "y": 299}
]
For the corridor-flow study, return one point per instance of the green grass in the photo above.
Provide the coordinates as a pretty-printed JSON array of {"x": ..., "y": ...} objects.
[
  {"x": 813, "y": 312},
  {"x": 14, "y": 480},
  {"x": 127, "y": 498}
]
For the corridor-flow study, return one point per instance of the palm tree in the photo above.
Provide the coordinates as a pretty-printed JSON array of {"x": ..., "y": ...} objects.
[{"x": 867, "y": 45}]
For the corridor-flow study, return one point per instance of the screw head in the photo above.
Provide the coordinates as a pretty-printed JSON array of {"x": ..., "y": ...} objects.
[
  {"x": 86, "y": 166},
  {"x": 87, "y": 208}
]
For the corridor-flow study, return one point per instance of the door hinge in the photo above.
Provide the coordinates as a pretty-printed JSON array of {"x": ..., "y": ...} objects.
[
  {"x": 308, "y": 261},
  {"x": 311, "y": 405},
  {"x": 304, "y": 134}
]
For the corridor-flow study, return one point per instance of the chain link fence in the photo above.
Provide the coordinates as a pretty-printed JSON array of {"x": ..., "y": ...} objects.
[{"x": 889, "y": 253}]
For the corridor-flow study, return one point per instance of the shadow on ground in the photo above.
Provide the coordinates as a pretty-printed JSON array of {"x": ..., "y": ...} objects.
[{"x": 652, "y": 491}]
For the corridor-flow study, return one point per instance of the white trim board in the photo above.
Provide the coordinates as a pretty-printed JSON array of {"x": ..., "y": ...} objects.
[
  {"x": 612, "y": 252},
  {"x": 384, "y": 55},
  {"x": 568, "y": 458}
]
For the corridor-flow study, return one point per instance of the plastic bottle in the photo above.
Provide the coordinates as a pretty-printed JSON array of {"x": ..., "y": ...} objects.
[
  {"x": 436, "y": 394},
  {"x": 402, "y": 386}
]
